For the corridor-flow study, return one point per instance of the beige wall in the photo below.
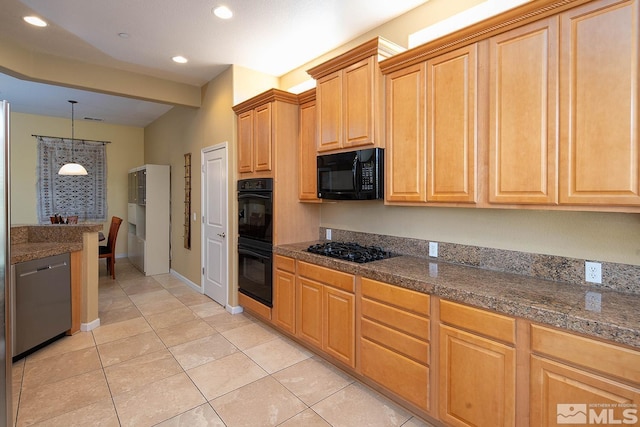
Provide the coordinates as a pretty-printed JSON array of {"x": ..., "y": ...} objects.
[
  {"x": 125, "y": 151},
  {"x": 184, "y": 130}
]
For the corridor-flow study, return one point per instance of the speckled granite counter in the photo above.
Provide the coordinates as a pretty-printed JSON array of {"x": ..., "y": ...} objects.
[
  {"x": 548, "y": 302},
  {"x": 30, "y": 242}
]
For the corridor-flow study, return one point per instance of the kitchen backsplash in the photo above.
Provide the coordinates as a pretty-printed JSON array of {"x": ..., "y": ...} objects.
[{"x": 619, "y": 277}]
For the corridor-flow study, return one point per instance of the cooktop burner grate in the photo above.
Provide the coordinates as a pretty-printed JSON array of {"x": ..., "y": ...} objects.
[{"x": 350, "y": 251}]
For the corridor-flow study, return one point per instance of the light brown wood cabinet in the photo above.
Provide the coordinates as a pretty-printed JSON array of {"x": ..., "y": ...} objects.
[
  {"x": 262, "y": 122},
  {"x": 561, "y": 86},
  {"x": 477, "y": 375},
  {"x": 406, "y": 158},
  {"x": 349, "y": 97},
  {"x": 394, "y": 340},
  {"x": 599, "y": 132},
  {"x": 307, "y": 164},
  {"x": 452, "y": 134},
  {"x": 432, "y": 133},
  {"x": 326, "y": 311},
  {"x": 283, "y": 313},
  {"x": 584, "y": 376},
  {"x": 523, "y": 114}
]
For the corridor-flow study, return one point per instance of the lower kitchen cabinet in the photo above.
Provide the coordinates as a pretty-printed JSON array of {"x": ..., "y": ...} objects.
[
  {"x": 394, "y": 340},
  {"x": 582, "y": 381},
  {"x": 326, "y": 311},
  {"x": 477, "y": 376},
  {"x": 283, "y": 313}
]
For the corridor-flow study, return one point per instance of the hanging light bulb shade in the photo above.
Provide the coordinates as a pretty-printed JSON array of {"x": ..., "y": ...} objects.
[{"x": 72, "y": 168}]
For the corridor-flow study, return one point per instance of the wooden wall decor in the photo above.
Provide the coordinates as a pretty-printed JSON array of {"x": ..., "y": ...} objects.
[{"x": 187, "y": 201}]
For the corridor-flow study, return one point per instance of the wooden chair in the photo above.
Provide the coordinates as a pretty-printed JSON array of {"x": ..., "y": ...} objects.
[{"x": 109, "y": 251}]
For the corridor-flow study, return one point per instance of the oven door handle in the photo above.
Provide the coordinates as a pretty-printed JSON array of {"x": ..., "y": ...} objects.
[
  {"x": 253, "y": 196},
  {"x": 252, "y": 253}
]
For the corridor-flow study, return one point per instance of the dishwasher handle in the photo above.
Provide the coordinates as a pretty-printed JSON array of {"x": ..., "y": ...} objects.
[{"x": 46, "y": 267}]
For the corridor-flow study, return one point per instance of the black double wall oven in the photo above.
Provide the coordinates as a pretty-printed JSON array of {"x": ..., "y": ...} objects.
[{"x": 255, "y": 238}]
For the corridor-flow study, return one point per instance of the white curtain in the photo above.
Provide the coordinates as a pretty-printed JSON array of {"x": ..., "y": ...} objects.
[{"x": 84, "y": 196}]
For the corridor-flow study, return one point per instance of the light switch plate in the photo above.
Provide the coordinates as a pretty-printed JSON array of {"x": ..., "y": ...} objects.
[{"x": 328, "y": 234}]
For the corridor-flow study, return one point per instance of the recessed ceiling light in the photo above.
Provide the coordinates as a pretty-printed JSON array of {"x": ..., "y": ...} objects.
[
  {"x": 179, "y": 59},
  {"x": 34, "y": 20},
  {"x": 223, "y": 12},
  {"x": 123, "y": 35}
]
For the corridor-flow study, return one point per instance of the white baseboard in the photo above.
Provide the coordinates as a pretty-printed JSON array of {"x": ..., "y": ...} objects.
[
  {"x": 187, "y": 281},
  {"x": 234, "y": 309},
  {"x": 86, "y": 327}
]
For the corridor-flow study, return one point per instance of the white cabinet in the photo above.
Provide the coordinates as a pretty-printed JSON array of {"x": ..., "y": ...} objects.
[{"x": 148, "y": 219}]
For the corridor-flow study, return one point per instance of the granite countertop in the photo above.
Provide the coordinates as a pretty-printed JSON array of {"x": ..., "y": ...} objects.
[
  {"x": 29, "y": 242},
  {"x": 548, "y": 302}
]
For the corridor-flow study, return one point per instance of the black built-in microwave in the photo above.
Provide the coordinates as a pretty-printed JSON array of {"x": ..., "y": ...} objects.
[{"x": 354, "y": 175}]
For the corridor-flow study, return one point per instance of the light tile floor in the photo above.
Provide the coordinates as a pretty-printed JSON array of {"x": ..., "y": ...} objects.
[{"x": 166, "y": 355}]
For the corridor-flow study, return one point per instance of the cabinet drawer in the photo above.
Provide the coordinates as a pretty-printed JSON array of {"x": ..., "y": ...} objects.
[
  {"x": 599, "y": 356},
  {"x": 285, "y": 263},
  {"x": 402, "y": 376},
  {"x": 409, "y": 346},
  {"x": 398, "y": 319},
  {"x": 326, "y": 276},
  {"x": 484, "y": 322},
  {"x": 406, "y": 299}
]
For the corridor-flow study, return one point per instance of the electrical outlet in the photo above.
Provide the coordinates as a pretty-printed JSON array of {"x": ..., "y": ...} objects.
[
  {"x": 593, "y": 301},
  {"x": 593, "y": 272},
  {"x": 327, "y": 234},
  {"x": 433, "y": 249}
]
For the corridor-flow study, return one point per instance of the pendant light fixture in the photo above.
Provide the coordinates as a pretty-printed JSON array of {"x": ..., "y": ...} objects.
[{"x": 72, "y": 168}]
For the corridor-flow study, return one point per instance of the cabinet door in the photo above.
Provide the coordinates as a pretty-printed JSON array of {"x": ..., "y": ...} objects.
[
  {"x": 563, "y": 395},
  {"x": 406, "y": 175},
  {"x": 339, "y": 320},
  {"x": 523, "y": 114},
  {"x": 262, "y": 137},
  {"x": 451, "y": 126},
  {"x": 477, "y": 380},
  {"x": 329, "y": 104},
  {"x": 309, "y": 311},
  {"x": 245, "y": 142},
  {"x": 308, "y": 185},
  {"x": 284, "y": 301},
  {"x": 358, "y": 103},
  {"x": 599, "y": 104}
]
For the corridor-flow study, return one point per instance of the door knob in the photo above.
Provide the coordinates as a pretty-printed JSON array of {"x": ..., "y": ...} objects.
[{"x": 222, "y": 235}]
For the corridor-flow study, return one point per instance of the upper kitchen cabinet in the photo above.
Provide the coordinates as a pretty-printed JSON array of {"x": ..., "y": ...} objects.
[
  {"x": 452, "y": 133},
  {"x": 307, "y": 164},
  {"x": 599, "y": 104},
  {"x": 406, "y": 171},
  {"x": 536, "y": 107},
  {"x": 349, "y": 97},
  {"x": 523, "y": 114},
  {"x": 432, "y": 129},
  {"x": 262, "y": 121}
]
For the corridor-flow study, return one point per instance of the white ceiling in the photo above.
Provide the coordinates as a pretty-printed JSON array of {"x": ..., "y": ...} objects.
[{"x": 271, "y": 36}]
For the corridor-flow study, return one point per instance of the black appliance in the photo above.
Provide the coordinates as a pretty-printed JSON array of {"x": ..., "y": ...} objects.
[
  {"x": 350, "y": 251},
  {"x": 354, "y": 175},
  {"x": 255, "y": 209},
  {"x": 255, "y": 238}
]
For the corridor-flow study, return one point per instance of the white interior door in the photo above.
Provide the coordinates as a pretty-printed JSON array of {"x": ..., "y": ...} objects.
[{"x": 215, "y": 250}]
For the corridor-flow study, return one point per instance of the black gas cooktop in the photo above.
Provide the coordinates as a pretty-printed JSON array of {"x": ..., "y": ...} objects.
[{"x": 350, "y": 251}]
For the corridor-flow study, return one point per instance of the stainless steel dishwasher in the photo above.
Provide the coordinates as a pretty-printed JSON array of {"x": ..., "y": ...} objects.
[{"x": 41, "y": 301}]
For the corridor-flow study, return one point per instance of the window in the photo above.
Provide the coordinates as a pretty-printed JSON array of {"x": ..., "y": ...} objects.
[{"x": 84, "y": 196}]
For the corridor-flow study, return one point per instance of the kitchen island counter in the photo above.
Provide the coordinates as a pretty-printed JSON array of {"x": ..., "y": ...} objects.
[
  {"x": 29, "y": 242},
  {"x": 547, "y": 302}
]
